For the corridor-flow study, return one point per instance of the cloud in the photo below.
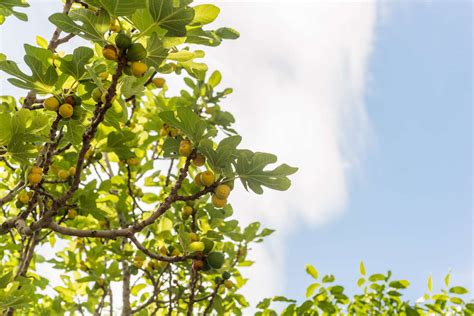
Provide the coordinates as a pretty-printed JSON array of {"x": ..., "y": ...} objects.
[{"x": 299, "y": 74}]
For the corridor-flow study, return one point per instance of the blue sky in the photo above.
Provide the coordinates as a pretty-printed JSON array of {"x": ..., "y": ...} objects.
[{"x": 410, "y": 206}]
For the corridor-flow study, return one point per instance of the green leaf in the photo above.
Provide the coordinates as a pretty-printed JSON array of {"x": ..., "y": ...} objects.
[
  {"x": 447, "y": 279},
  {"x": 41, "y": 80},
  {"x": 223, "y": 155},
  {"x": 301, "y": 310},
  {"x": 137, "y": 288},
  {"x": 215, "y": 79},
  {"x": 312, "y": 271},
  {"x": 181, "y": 56},
  {"x": 250, "y": 168},
  {"x": 266, "y": 232},
  {"x": 5, "y": 279},
  {"x": 41, "y": 42},
  {"x": 205, "y": 14},
  {"x": 328, "y": 278},
  {"x": 377, "y": 277},
  {"x": 187, "y": 121},
  {"x": 227, "y": 33},
  {"x": 264, "y": 304},
  {"x": 156, "y": 52},
  {"x": 171, "y": 15},
  {"x": 310, "y": 289},
  {"x": 250, "y": 232},
  {"x": 74, "y": 131},
  {"x": 5, "y": 128},
  {"x": 458, "y": 290},
  {"x": 401, "y": 284},
  {"x": 116, "y": 142},
  {"x": 93, "y": 26},
  {"x": 430, "y": 284},
  {"x": 362, "y": 268},
  {"x": 8, "y": 7},
  {"x": 74, "y": 64},
  {"x": 134, "y": 86},
  {"x": 201, "y": 37},
  {"x": 118, "y": 7},
  {"x": 327, "y": 307}
]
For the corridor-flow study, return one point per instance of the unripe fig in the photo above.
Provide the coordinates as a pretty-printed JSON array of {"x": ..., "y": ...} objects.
[
  {"x": 72, "y": 171},
  {"x": 207, "y": 178},
  {"x": 115, "y": 26},
  {"x": 127, "y": 70},
  {"x": 63, "y": 174},
  {"x": 104, "y": 75},
  {"x": 164, "y": 131},
  {"x": 96, "y": 94},
  {"x": 173, "y": 132},
  {"x": 34, "y": 178},
  {"x": 136, "y": 52},
  {"x": 193, "y": 237},
  {"x": 71, "y": 214},
  {"x": 196, "y": 246},
  {"x": 134, "y": 161},
  {"x": 208, "y": 245},
  {"x": 70, "y": 100},
  {"x": 66, "y": 110},
  {"x": 23, "y": 197},
  {"x": 215, "y": 259},
  {"x": 185, "y": 148},
  {"x": 197, "y": 180},
  {"x": 219, "y": 203},
  {"x": 101, "y": 282},
  {"x": 199, "y": 160},
  {"x": 51, "y": 104},
  {"x": 187, "y": 210},
  {"x": 159, "y": 82},
  {"x": 163, "y": 251},
  {"x": 36, "y": 169},
  {"x": 228, "y": 284},
  {"x": 110, "y": 52},
  {"x": 138, "y": 69},
  {"x": 123, "y": 41},
  {"x": 222, "y": 191},
  {"x": 198, "y": 264},
  {"x": 226, "y": 275}
]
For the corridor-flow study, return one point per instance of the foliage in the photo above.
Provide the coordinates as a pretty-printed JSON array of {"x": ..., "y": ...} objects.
[
  {"x": 10, "y": 7},
  {"x": 379, "y": 294},
  {"x": 98, "y": 161}
]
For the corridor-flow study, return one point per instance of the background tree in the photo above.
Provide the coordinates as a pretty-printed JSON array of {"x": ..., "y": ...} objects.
[{"x": 133, "y": 183}]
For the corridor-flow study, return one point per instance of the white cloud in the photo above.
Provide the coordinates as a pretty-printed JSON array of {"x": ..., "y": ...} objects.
[{"x": 299, "y": 74}]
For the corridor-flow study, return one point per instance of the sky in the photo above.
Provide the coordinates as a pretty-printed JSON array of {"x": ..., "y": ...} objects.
[{"x": 373, "y": 102}]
